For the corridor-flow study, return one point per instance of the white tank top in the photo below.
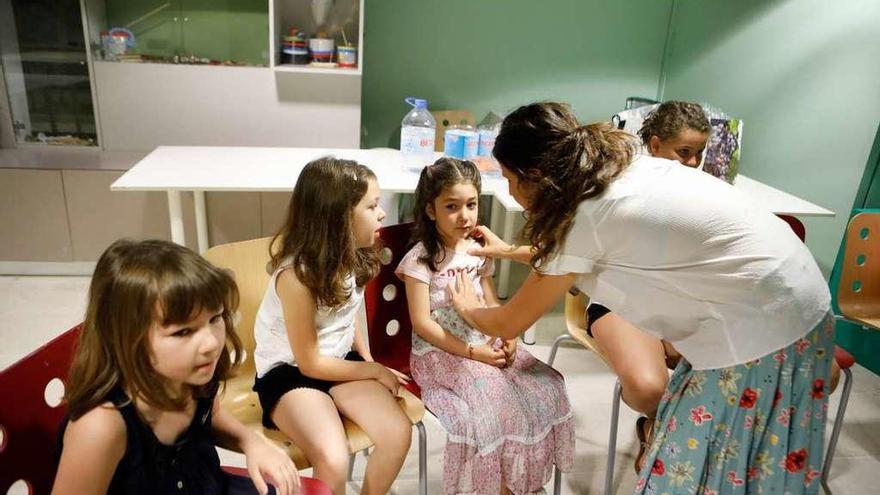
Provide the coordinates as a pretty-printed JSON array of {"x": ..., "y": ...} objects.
[{"x": 335, "y": 327}]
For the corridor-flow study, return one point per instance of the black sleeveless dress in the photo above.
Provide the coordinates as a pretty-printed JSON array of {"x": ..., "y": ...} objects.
[{"x": 190, "y": 466}]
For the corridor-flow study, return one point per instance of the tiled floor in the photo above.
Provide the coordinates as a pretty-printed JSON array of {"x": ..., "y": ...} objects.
[{"x": 34, "y": 309}]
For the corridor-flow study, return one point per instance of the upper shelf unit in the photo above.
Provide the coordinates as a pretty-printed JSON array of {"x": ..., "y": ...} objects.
[{"x": 341, "y": 21}]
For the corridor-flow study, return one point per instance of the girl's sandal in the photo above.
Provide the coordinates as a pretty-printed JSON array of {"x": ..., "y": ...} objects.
[{"x": 645, "y": 434}]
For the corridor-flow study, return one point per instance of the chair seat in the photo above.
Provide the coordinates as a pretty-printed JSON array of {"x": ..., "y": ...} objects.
[
  {"x": 414, "y": 387},
  {"x": 584, "y": 339},
  {"x": 307, "y": 486},
  {"x": 868, "y": 321},
  {"x": 844, "y": 359},
  {"x": 242, "y": 402}
]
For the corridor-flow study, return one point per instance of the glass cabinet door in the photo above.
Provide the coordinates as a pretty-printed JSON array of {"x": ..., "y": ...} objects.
[
  {"x": 155, "y": 24},
  {"x": 43, "y": 55},
  {"x": 233, "y": 32}
]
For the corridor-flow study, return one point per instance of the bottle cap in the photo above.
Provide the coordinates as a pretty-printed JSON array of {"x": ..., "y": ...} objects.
[{"x": 417, "y": 102}]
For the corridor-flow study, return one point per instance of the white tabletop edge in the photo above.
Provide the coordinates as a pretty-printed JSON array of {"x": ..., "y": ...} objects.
[{"x": 230, "y": 169}]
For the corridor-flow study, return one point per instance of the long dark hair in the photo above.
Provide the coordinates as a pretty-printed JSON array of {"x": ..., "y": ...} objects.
[
  {"x": 134, "y": 285},
  {"x": 317, "y": 234},
  {"x": 563, "y": 163},
  {"x": 445, "y": 172}
]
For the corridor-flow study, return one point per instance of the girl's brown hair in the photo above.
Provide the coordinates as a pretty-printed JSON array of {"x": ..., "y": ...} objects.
[
  {"x": 445, "y": 172},
  {"x": 671, "y": 117},
  {"x": 316, "y": 238},
  {"x": 137, "y": 285},
  {"x": 563, "y": 163}
]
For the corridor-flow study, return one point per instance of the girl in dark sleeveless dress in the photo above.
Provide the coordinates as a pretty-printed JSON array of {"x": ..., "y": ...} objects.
[{"x": 157, "y": 343}]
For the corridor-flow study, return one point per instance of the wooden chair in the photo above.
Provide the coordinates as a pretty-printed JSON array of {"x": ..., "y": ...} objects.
[
  {"x": 448, "y": 118},
  {"x": 249, "y": 260},
  {"x": 29, "y": 423},
  {"x": 858, "y": 298},
  {"x": 576, "y": 325},
  {"x": 390, "y": 328}
]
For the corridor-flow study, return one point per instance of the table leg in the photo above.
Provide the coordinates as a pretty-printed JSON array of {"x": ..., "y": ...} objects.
[
  {"x": 201, "y": 220},
  {"x": 528, "y": 337},
  {"x": 504, "y": 265},
  {"x": 175, "y": 216}
]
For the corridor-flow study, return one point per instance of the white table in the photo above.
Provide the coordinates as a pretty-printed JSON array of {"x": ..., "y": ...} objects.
[
  {"x": 175, "y": 169},
  {"x": 196, "y": 169}
]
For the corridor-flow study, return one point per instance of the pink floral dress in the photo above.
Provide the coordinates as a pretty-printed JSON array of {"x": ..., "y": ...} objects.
[{"x": 509, "y": 425}]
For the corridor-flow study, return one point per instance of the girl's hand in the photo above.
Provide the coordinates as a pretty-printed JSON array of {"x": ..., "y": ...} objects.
[
  {"x": 490, "y": 244},
  {"x": 401, "y": 378},
  {"x": 463, "y": 297},
  {"x": 387, "y": 378},
  {"x": 265, "y": 459},
  {"x": 509, "y": 349},
  {"x": 485, "y": 353}
]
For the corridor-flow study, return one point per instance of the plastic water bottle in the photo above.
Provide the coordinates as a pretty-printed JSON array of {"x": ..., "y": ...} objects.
[
  {"x": 417, "y": 135},
  {"x": 488, "y": 131}
]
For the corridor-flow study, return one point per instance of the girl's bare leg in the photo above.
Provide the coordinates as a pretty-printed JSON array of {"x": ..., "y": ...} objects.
[
  {"x": 371, "y": 406},
  {"x": 310, "y": 419}
]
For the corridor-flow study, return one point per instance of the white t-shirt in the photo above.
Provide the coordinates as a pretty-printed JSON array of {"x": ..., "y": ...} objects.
[
  {"x": 688, "y": 258},
  {"x": 335, "y": 327}
]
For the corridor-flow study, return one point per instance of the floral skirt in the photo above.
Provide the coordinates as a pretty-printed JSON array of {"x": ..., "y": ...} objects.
[
  {"x": 752, "y": 428},
  {"x": 509, "y": 425}
]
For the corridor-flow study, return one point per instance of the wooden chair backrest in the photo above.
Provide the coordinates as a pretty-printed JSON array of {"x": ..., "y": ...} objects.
[
  {"x": 248, "y": 261},
  {"x": 858, "y": 294},
  {"x": 576, "y": 321}
]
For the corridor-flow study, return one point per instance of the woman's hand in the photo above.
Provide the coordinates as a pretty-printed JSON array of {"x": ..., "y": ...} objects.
[
  {"x": 464, "y": 298},
  {"x": 265, "y": 459},
  {"x": 490, "y": 244},
  {"x": 485, "y": 353},
  {"x": 387, "y": 378}
]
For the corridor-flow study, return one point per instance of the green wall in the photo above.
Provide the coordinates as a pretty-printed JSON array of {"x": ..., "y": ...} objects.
[
  {"x": 805, "y": 77},
  {"x": 498, "y": 54}
]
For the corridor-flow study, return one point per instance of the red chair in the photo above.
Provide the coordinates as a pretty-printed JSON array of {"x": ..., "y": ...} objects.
[
  {"x": 32, "y": 411},
  {"x": 796, "y": 225},
  {"x": 388, "y": 324},
  {"x": 28, "y": 424}
]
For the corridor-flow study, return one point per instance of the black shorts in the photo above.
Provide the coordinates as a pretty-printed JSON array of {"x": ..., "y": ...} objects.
[
  {"x": 594, "y": 312},
  {"x": 284, "y": 378}
]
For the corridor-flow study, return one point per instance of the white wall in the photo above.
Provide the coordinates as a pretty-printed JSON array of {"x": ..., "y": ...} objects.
[{"x": 142, "y": 106}]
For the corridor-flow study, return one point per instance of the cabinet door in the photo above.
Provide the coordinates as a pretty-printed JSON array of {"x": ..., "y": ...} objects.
[
  {"x": 156, "y": 24},
  {"x": 227, "y": 30},
  {"x": 45, "y": 70}
]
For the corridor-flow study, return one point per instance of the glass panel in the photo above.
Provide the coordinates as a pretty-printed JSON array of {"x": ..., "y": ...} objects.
[
  {"x": 229, "y": 31},
  {"x": 232, "y": 32},
  {"x": 46, "y": 73},
  {"x": 154, "y": 24}
]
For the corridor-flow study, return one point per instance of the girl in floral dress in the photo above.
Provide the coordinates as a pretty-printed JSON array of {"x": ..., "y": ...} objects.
[{"x": 507, "y": 415}]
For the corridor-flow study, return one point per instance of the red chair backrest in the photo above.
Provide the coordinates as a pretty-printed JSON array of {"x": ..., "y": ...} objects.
[
  {"x": 30, "y": 425},
  {"x": 388, "y": 323},
  {"x": 796, "y": 226}
]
